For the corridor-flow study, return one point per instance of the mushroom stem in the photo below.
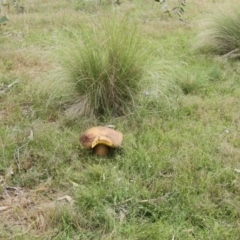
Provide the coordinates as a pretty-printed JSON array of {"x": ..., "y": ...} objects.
[{"x": 101, "y": 150}]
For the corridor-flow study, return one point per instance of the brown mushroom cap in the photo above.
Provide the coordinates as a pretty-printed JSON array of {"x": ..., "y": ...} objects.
[{"x": 101, "y": 135}]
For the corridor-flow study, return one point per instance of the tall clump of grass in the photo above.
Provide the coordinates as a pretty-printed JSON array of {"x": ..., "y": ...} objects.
[
  {"x": 106, "y": 62},
  {"x": 221, "y": 30}
]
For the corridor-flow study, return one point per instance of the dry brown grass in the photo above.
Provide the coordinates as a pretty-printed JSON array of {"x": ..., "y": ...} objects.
[{"x": 31, "y": 212}]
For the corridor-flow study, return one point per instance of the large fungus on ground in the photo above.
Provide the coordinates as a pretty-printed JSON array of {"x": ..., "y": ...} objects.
[{"x": 101, "y": 139}]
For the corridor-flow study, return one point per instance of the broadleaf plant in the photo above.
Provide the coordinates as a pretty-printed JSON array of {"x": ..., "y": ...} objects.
[{"x": 177, "y": 10}]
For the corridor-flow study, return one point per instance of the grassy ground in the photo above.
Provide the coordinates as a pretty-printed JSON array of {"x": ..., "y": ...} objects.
[{"x": 177, "y": 175}]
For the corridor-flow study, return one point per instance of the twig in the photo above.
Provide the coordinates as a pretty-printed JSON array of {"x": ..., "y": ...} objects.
[
  {"x": 234, "y": 55},
  {"x": 231, "y": 54},
  {"x": 14, "y": 190},
  {"x": 125, "y": 201},
  {"x": 10, "y": 85},
  {"x": 152, "y": 200},
  {"x": 18, "y": 156},
  {"x": 4, "y": 89}
]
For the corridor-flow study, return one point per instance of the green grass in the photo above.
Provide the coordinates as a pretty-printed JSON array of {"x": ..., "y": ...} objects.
[
  {"x": 220, "y": 31},
  {"x": 177, "y": 174},
  {"x": 106, "y": 62}
]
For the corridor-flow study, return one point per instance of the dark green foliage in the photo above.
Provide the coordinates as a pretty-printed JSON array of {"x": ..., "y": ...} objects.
[{"x": 3, "y": 20}]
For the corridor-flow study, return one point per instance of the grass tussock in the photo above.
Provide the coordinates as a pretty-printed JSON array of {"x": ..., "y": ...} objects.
[
  {"x": 106, "y": 63},
  {"x": 177, "y": 173},
  {"x": 221, "y": 30}
]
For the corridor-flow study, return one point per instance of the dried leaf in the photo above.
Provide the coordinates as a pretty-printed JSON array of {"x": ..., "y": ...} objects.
[
  {"x": 66, "y": 197},
  {"x": 237, "y": 170},
  {"x": 74, "y": 184},
  {"x": 2, "y": 180},
  {"x": 3, "y": 208},
  {"x": 13, "y": 191},
  {"x": 9, "y": 172},
  {"x": 122, "y": 214},
  {"x": 31, "y": 137},
  {"x": 42, "y": 222}
]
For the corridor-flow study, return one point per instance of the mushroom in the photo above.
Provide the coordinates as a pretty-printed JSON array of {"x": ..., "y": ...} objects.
[{"x": 101, "y": 139}]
